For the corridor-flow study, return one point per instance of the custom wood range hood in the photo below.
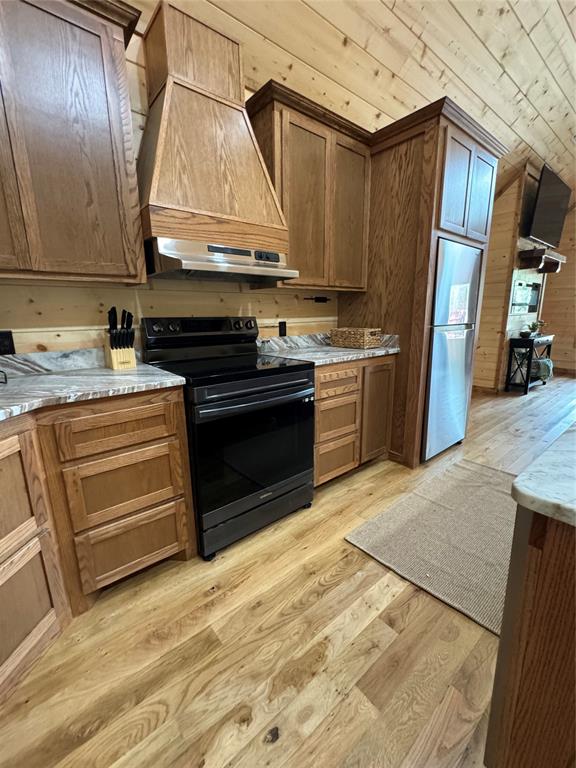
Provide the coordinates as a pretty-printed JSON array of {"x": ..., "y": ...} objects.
[{"x": 208, "y": 206}]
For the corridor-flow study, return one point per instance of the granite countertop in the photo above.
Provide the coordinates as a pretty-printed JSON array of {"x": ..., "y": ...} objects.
[
  {"x": 52, "y": 378},
  {"x": 548, "y": 486},
  {"x": 316, "y": 348}
]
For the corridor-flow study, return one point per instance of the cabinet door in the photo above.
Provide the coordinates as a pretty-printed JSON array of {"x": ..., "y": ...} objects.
[
  {"x": 481, "y": 195},
  {"x": 14, "y": 254},
  {"x": 32, "y": 601},
  {"x": 349, "y": 215},
  {"x": 457, "y": 179},
  {"x": 306, "y": 196},
  {"x": 23, "y": 500},
  {"x": 68, "y": 118},
  {"x": 377, "y": 400},
  {"x": 29, "y": 619}
]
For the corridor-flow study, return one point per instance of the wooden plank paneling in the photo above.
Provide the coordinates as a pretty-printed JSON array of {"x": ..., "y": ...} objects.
[
  {"x": 499, "y": 268},
  {"x": 371, "y": 61},
  {"x": 559, "y": 306}
]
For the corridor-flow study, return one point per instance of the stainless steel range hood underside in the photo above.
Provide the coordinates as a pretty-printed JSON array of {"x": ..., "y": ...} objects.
[{"x": 191, "y": 259}]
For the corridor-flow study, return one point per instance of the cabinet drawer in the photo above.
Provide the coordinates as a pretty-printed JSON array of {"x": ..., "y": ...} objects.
[
  {"x": 337, "y": 416},
  {"x": 336, "y": 457},
  {"x": 330, "y": 383},
  {"x": 105, "y": 489},
  {"x": 101, "y": 432},
  {"x": 112, "y": 551}
]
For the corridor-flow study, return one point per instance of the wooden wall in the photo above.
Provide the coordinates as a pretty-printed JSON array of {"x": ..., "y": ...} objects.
[
  {"x": 509, "y": 64},
  {"x": 559, "y": 308},
  {"x": 499, "y": 268},
  {"x": 70, "y": 316}
]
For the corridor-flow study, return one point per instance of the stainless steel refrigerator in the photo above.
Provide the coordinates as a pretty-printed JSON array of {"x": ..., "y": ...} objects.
[{"x": 451, "y": 346}]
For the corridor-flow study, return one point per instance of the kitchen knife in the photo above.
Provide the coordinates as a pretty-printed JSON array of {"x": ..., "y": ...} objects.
[
  {"x": 129, "y": 330},
  {"x": 123, "y": 330},
  {"x": 112, "y": 326}
]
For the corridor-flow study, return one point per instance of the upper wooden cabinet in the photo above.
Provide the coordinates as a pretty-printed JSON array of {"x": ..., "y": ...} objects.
[
  {"x": 306, "y": 177},
  {"x": 68, "y": 194},
  {"x": 320, "y": 166},
  {"x": 350, "y": 213},
  {"x": 467, "y": 186}
]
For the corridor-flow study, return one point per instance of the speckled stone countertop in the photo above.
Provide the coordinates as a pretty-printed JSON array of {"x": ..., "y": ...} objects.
[
  {"x": 548, "y": 486},
  {"x": 52, "y": 378},
  {"x": 316, "y": 348}
]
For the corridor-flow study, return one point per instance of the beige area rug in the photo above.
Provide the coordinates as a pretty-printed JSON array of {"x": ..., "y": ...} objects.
[{"x": 451, "y": 536}]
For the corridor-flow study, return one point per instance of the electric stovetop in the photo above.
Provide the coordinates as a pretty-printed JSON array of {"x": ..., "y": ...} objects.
[{"x": 232, "y": 367}]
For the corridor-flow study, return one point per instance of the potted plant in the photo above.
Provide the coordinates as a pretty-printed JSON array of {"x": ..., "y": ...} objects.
[{"x": 533, "y": 329}]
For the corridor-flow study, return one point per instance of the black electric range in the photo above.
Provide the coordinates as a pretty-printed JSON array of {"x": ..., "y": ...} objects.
[{"x": 250, "y": 420}]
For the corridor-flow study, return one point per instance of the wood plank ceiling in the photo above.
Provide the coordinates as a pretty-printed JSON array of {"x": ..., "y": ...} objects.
[{"x": 510, "y": 63}]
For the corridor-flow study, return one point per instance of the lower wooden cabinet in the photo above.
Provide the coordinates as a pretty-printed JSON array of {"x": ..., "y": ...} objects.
[
  {"x": 112, "y": 551},
  {"x": 85, "y": 502},
  {"x": 337, "y": 416},
  {"x": 119, "y": 480},
  {"x": 106, "y": 489},
  {"x": 336, "y": 457},
  {"x": 377, "y": 397},
  {"x": 33, "y": 606},
  {"x": 354, "y": 406}
]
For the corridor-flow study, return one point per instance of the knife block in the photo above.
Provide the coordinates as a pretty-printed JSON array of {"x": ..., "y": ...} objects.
[{"x": 119, "y": 359}]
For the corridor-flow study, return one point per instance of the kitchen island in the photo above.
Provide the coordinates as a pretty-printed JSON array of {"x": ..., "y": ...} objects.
[{"x": 533, "y": 716}]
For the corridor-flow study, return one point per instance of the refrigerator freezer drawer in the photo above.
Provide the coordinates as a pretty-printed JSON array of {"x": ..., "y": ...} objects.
[{"x": 448, "y": 389}]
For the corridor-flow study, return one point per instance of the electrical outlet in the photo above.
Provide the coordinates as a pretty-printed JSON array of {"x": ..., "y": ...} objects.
[{"x": 6, "y": 343}]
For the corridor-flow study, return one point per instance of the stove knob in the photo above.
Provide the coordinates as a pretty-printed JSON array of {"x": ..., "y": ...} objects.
[
  {"x": 157, "y": 328},
  {"x": 250, "y": 324},
  {"x": 238, "y": 325},
  {"x": 174, "y": 327}
]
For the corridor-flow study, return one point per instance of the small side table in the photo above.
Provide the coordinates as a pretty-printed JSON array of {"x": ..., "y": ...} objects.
[{"x": 520, "y": 356}]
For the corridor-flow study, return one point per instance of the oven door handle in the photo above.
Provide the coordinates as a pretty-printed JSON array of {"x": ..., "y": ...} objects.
[{"x": 205, "y": 413}]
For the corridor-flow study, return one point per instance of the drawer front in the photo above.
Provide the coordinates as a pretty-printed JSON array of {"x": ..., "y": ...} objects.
[
  {"x": 100, "y": 432},
  {"x": 336, "y": 457},
  {"x": 336, "y": 417},
  {"x": 330, "y": 383},
  {"x": 106, "y": 489},
  {"x": 115, "y": 550}
]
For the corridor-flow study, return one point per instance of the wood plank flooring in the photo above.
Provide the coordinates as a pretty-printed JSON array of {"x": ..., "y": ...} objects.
[{"x": 292, "y": 649}]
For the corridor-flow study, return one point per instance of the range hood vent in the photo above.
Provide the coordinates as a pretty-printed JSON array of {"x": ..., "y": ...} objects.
[{"x": 204, "y": 187}]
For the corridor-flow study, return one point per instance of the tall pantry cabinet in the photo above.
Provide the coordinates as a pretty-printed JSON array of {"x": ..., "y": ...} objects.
[{"x": 433, "y": 175}]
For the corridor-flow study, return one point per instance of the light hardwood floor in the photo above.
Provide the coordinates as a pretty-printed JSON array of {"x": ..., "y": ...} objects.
[{"x": 291, "y": 649}]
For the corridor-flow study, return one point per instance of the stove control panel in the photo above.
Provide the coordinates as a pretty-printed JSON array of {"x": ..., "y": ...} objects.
[{"x": 198, "y": 327}]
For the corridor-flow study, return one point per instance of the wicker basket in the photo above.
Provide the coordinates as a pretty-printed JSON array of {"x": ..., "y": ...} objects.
[{"x": 357, "y": 338}]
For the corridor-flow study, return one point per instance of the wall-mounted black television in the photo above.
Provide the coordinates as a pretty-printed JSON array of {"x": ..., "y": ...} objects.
[{"x": 550, "y": 208}]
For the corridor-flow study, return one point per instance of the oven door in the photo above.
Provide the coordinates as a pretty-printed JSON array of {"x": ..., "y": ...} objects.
[{"x": 249, "y": 450}]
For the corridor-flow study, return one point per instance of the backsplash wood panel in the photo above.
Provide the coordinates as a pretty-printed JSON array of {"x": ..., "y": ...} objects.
[{"x": 68, "y": 316}]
